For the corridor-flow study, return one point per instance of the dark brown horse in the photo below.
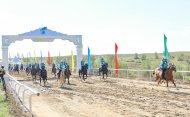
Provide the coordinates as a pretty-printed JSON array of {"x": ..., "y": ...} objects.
[
  {"x": 83, "y": 72},
  {"x": 33, "y": 73},
  {"x": 168, "y": 76},
  {"x": 53, "y": 71}
]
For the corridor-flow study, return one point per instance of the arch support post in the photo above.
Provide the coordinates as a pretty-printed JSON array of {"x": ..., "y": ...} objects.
[{"x": 5, "y": 57}]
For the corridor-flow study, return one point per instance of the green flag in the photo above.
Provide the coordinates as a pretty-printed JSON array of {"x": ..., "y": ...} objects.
[{"x": 166, "y": 54}]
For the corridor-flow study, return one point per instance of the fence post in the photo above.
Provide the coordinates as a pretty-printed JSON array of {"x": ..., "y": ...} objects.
[
  {"x": 183, "y": 76},
  {"x": 23, "y": 100},
  {"x": 150, "y": 75},
  {"x": 127, "y": 74}
]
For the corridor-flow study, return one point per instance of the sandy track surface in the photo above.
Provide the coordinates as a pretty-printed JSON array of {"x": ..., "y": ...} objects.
[{"x": 113, "y": 97}]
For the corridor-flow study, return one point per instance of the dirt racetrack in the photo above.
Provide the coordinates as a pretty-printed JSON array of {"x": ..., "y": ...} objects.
[{"x": 113, "y": 97}]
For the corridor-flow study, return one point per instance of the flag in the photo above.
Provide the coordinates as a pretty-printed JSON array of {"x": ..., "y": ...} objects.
[
  {"x": 27, "y": 57},
  {"x": 89, "y": 63},
  {"x": 30, "y": 55},
  {"x": 22, "y": 56},
  {"x": 59, "y": 59},
  {"x": 49, "y": 59},
  {"x": 18, "y": 55},
  {"x": 41, "y": 56},
  {"x": 35, "y": 59},
  {"x": 166, "y": 54},
  {"x": 116, "y": 59},
  {"x": 73, "y": 61}
]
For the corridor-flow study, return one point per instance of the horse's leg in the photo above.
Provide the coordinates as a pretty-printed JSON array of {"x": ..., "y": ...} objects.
[
  {"x": 83, "y": 76},
  {"x": 40, "y": 79},
  {"x": 68, "y": 79},
  {"x": 159, "y": 81},
  {"x": 167, "y": 82},
  {"x": 173, "y": 82}
]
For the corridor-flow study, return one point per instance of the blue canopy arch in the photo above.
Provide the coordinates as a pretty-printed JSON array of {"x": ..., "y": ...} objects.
[{"x": 41, "y": 35}]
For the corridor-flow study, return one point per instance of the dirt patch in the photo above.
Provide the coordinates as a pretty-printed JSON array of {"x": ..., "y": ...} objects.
[{"x": 111, "y": 98}]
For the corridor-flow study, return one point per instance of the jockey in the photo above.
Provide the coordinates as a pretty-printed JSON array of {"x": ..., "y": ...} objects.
[
  {"x": 66, "y": 65},
  {"x": 164, "y": 65},
  {"x": 53, "y": 66},
  {"x": 82, "y": 63},
  {"x": 102, "y": 61},
  {"x": 42, "y": 65}
]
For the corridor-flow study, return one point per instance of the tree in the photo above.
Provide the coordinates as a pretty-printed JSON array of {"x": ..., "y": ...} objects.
[
  {"x": 143, "y": 57},
  {"x": 156, "y": 55},
  {"x": 136, "y": 56}
]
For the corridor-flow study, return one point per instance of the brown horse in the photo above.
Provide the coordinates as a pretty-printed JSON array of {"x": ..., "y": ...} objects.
[{"x": 168, "y": 76}]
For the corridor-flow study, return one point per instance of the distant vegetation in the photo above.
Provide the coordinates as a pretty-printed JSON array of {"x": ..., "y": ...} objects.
[{"x": 132, "y": 61}]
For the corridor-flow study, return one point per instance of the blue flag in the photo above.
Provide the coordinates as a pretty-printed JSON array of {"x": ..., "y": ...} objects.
[
  {"x": 89, "y": 62},
  {"x": 22, "y": 56}
]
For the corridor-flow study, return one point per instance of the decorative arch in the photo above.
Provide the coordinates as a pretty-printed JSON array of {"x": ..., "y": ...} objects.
[{"x": 41, "y": 35}]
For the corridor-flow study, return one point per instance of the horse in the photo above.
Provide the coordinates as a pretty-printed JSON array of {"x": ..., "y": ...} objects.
[
  {"x": 16, "y": 68},
  {"x": 33, "y": 73},
  {"x": 168, "y": 76},
  {"x": 28, "y": 70},
  {"x": 10, "y": 68},
  {"x": 43, "y": 76},
  {"x": 21, "y": 67},
  {"x": 83, "y": 72},
  {"x": 61, "y": 77},
  {"x": 53, "y": 71},
  {"x": 67, "y": 73},
  {"x": 104, "y": 70},
  {"x": 38, "y": 70}
]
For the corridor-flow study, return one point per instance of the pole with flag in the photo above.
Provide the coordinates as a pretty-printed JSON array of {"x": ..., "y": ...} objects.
[
  {"x": 35, "y": 59},
  {"x": 30, "y": 56},
  {"x": 27, "y": 58},
  {"x": 41, "y": 56},
  {"x": 18, "y": 55},
  {"x": 166, "y": 53},
  {"x": 116, "y": 59},
  {"x": 22, "y": 56},
  {"x": 49, "y": 59},
  {"x": 72, "y": 61},
  {"x": 59, "y": 59},
  {"x": 89, "y": 61}
]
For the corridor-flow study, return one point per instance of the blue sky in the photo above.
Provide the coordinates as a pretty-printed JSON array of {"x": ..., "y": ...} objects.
[{"x": 137, "y": 26}]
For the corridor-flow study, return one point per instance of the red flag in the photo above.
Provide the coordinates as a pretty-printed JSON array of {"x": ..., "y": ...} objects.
[
  {"x": 116, "y": 59},
  {"x": 49, "y": 59}
]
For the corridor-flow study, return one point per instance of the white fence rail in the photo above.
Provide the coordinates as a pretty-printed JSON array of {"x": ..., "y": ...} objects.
[
  {"x": 19, "y": 91},
  {"x": 135, "y": 73}
]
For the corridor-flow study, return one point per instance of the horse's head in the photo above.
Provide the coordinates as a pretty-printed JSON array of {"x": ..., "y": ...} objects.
[{"x": 172, "y": 67}]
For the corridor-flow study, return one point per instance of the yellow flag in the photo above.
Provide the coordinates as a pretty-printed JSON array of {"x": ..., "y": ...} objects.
[
  {"x": 73, "y": 61},
  {"x": 35, "y": 59}
]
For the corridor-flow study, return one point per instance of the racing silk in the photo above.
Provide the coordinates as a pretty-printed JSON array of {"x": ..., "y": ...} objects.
[
  {"x": 59, "y": 66},
  {"x": 82, "y": 63},
  {"x": 164, "y": 64}
]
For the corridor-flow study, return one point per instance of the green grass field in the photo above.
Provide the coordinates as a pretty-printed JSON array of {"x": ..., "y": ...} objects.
[{"x": 4, "y": 110}]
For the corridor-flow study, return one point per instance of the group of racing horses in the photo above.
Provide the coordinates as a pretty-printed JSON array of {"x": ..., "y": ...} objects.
[{"x": 35, "y": 71}]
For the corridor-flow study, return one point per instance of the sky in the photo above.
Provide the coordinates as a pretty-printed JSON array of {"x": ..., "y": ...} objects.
[{"x": 137, "y": 26}]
